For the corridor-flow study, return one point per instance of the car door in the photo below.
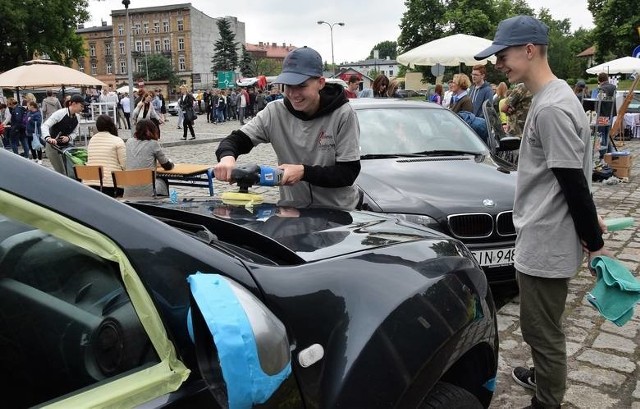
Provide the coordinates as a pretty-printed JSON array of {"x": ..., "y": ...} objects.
[{"x": 77, "y": 327}]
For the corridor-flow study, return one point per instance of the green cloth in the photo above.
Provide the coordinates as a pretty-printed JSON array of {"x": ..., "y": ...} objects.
[{"x": 616, "y": 291}]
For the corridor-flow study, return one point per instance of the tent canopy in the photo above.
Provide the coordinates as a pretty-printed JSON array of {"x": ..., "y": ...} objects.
[
  {"x": 624, "y": 65},
  {"x": 450, "y": 51},
  {"x": 44, "y": 73}
]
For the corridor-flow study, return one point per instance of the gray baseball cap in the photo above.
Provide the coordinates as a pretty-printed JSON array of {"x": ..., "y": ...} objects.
[
  {"x": 518, "y": 30},
  {"x": 300, "y": 65}
]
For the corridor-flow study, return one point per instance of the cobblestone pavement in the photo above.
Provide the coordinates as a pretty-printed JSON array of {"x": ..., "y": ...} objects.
[{"x": 603, "y": 359}]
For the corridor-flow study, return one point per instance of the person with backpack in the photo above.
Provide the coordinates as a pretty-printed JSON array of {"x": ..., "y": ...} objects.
[{"x": 17, "y": 135}]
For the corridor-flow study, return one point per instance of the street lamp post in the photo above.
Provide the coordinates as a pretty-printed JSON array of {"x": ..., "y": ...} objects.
[
  {"x": 129, "y": 59},
  {"x": 333, "y": 63}
]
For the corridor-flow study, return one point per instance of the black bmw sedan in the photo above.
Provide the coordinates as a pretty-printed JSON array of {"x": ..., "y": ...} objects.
[
  {"x": 422, "y": 163},
  {"x": 201, "y": 304}
]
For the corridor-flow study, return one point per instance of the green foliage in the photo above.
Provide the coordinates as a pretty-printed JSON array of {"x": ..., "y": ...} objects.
[
  {"x": 266, "y": 66},
  {"x": 385, "y": 49},
  {"x": 30, "y": 26},
  {"x": 160, "y": 69},
  {"x": 225, "y": 54},
  {"x": 246, "y": 64},
  {"x": 616, "y": 32}
]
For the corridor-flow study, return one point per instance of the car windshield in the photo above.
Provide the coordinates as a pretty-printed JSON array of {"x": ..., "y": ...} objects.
[{"x": 412, "y": 130}]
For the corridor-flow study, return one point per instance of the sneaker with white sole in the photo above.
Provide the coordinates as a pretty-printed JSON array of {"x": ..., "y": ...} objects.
[
  {"x": 39, "y": 161},
  {"x": 524, "y": 377}
]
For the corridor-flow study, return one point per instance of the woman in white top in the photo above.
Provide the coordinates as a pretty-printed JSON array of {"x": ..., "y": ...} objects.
[
  {"x": 108, "y": 150},
  {"x": 145, "y": 110}
]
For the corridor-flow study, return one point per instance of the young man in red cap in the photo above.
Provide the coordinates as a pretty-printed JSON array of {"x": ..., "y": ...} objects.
[
  {"x": 314, "y": 133},
  {"x": 554, "y": 213}
]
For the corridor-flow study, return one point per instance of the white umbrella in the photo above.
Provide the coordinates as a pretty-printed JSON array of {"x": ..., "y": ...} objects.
[
  {"x": 624, "y": 65},
  {"x": 450, "y": 51},
  {"x": 44, "y": 73}
]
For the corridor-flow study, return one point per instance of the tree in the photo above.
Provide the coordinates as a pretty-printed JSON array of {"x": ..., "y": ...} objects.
[
  {"x": 30, "y": 26},
  {"x": 616, "y": 27},
  {"x": 246, "y": 64},
  {"x": 225, "y": 50},
  {"x": 160, "y": 69},
  {"x": 266, "y": 66},
  {"x": 385, "y": 49}
]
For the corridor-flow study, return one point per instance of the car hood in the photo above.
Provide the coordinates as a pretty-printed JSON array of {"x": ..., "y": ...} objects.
[
  {"x": 311, "y": 233},
  {"x": 437, "y": 186}
]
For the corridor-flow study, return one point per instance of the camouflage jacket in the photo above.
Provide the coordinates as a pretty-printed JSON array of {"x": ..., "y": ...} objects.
[{"x": 518, "y": 104}]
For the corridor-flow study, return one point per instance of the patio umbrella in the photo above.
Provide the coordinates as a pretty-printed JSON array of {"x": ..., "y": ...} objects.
[
  {"x": 624, "y": 65},
  {"x": 450, "y": 51},
  {"x": 44, "y": 73}
]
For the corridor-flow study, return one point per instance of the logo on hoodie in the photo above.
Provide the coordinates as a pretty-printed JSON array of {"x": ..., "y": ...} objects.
[{"x": 325, "y": 141}]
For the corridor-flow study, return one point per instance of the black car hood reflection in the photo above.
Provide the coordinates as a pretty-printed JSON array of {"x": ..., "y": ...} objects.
[
  {"x": 312, "y": 233},
  {"x": 431, "y": 185}
]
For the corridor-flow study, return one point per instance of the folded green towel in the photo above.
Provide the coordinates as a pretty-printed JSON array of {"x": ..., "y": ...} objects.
[{"x": 616, "y": 291}]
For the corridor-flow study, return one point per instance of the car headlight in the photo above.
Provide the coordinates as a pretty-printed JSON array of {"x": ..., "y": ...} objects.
[{"x": 419, "y": 219}]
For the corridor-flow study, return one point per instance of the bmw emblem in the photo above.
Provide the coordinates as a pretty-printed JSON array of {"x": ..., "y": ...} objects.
[{"x": 488, "y": 203}]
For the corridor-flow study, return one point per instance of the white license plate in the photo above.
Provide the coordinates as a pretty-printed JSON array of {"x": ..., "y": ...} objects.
[{"x": 495, "y": 257}]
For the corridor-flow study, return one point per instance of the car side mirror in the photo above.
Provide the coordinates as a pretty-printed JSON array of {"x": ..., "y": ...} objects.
[
  {"x": 509, "y": 143},
  {"x": 242, "y": 348}
]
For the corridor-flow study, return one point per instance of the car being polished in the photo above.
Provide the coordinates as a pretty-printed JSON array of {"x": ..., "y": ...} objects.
[
  {"x": 201, "y": 304},
  {"x": 422, "y": 163}
]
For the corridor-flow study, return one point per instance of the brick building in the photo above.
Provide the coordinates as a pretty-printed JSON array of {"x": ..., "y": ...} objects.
[{"x": 180, "y": 32}]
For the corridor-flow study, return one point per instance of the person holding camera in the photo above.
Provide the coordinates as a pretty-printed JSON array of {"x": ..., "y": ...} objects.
[{"x": 60, "y": 130}]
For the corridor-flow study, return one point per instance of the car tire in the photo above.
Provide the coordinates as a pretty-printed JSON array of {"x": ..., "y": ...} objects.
[{"x": 448, "y": 396}]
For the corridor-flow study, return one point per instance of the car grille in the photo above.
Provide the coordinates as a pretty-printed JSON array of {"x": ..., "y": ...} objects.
[
  {"x": 480, "y": 225},
  {"x": 504, "y": 224}
]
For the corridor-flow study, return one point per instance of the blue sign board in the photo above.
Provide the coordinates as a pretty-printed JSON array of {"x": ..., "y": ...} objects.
[{"x": 636, "y": 52}]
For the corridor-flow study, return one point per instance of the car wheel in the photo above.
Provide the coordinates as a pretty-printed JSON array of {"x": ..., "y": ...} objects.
[{"x": 448, "y": 396}]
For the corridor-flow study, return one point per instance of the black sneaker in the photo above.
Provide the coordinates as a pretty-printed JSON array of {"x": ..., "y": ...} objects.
[{"x": 524, "y": 377}]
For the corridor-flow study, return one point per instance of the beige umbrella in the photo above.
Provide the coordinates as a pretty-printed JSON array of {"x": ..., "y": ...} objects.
[{"x": 44, "y": 73}]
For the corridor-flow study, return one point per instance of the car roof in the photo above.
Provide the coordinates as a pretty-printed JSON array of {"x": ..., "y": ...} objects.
[{"x": 362, "y": 103}]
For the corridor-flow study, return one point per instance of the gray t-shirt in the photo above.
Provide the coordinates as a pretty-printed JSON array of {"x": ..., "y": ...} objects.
[
  {"x": 556, "y": 135},
  {"x": 145, "y": 154},
  {"x": 321, "y": 141}
]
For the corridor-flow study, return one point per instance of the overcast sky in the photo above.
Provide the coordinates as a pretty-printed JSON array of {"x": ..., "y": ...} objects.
[{"x": 295, "y": 21}]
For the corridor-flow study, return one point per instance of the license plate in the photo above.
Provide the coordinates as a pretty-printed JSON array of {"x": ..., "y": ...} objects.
[{"x": 495, "y": 257}]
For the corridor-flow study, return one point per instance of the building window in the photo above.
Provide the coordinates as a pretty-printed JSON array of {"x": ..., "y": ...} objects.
[
  {"x": 157, "y": 46},
  {"x": 136, "y": 28},
  {"x": 107, "y": 48},
  {"x": 167, "y": 45},
  {"x": 180, "y": 44},
  {"x": 92, "y": 50},
  {"x": 156, "y": 26},
  {"x": 391, "y": 73},
  {"x": 109, "y": 68},
  {"x": 165, "y": 26},
  {"x": 140, "y": 65},
  {"x": 121, "y": 46},
  {"x": 147, "y": 46},
  {"x": 123, "y": 67},
  {"x": 180, "y": 25},
  {"x": 181, "y": 64},
  {"x": 138, "y": 45},
  {"x": 94, "y": 68},
  {"x": 120, "y": 29},
  {"x": 145, "y": 27}
]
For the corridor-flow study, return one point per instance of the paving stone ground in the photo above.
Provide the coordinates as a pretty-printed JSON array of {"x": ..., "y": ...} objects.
[{"x": 603, "y": 359}]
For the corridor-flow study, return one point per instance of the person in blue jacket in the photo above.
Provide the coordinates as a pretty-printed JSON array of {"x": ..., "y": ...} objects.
[
  {"x": 481, "y": 90},
  {"x": 34, "y": 121}
]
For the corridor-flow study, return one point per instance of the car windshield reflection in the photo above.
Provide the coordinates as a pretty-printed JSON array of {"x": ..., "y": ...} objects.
[{"x": 394, "y": 132}]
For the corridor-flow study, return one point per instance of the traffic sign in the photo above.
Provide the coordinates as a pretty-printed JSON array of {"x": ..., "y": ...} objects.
[
  {"x": 225, "y": 79},
  {"x": 636, "y": 52},
  {"x": 437, "y": 70}
]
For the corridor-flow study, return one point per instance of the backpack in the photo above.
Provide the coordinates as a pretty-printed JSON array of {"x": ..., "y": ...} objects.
[{"x": 19, "y": 117}]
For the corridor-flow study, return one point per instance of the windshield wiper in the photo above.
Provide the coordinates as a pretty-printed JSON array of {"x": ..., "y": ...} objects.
[
  {"x": 379, "y": 156},
  {"x": 447, "y": 152}
]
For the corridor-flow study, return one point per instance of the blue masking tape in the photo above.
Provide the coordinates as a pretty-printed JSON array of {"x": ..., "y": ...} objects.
[{"x": 229, "y": 325}]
